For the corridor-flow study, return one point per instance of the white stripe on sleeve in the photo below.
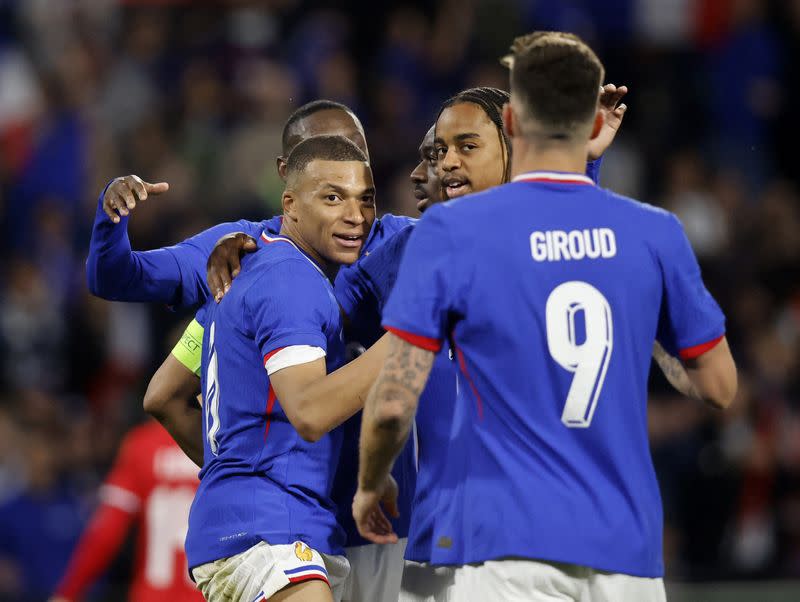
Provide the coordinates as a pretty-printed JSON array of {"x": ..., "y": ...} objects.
[{"x": 293, "y": 356}]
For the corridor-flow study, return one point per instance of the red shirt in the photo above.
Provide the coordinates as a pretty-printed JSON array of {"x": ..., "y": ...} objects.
[{"x": 152, "y": 484}]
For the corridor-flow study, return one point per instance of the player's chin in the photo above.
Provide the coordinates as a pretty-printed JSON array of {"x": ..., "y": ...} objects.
[{"x": 344, "y": 255}]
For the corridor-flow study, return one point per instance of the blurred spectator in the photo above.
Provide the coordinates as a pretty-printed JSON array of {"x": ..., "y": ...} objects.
[{"x": 40, "y": 525}]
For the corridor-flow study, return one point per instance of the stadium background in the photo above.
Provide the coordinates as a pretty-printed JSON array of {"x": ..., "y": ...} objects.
[{"x": 196, "y": 93}]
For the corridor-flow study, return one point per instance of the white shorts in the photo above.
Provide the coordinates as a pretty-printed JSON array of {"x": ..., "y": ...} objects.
[
  {"x": 375, "y": 572},
  {"x": 263, "y": 570},
  {"x": 427, "y": 583},
  {"x": 522, "y": 580}
]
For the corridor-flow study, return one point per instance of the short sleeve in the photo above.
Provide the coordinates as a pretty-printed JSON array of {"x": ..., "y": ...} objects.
[
  {"x": 290, "y": 305},
  {"x": 690, "y": 321},
  {"x": 427, "y": 286},
  {"x": 124, "y": 487}
]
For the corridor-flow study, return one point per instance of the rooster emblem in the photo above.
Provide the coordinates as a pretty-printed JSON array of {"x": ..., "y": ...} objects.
[{"x": 302, "y": 551}]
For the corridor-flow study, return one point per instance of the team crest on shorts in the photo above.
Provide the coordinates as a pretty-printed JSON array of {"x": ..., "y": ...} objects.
[{"x": 302, "y": 551}]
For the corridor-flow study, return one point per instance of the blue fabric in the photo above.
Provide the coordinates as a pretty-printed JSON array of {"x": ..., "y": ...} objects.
[
  {"x": 175, "y": 276},
  {"x": 375, "y": 278},
  {"x": 364, "y": 329},
  {"x": 260, "y": 480},
  {"x": 39, "y": 532},
  {"x": 552, "y": 292}
]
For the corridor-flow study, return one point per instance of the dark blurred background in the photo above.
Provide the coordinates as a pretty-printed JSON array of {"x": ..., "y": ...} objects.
[{"x": 196, "y": 93}]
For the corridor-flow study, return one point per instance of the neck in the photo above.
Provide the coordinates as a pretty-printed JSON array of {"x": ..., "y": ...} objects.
[
  {"x": 552, "y": 157},
  {"x": 290, "y": 230}
]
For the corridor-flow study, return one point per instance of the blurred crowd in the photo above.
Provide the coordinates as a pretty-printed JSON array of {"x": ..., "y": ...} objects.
[{"x": 196, "y": 92}]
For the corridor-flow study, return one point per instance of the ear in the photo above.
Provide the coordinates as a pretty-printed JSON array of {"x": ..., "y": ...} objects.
[
  {"x": 289, "y": 205},
  {"x": 599, "y": 120},
  {"x": 508, "y": 120},
  {"x": 280, "y": 164}
]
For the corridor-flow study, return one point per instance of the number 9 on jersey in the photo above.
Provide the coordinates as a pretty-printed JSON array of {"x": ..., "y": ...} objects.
[{"x": 588, "y": 360}]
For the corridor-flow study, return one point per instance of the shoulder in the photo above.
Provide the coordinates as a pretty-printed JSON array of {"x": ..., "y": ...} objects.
[
  {"x": 271, "y": 225},
  {"x": 659, "y": 222},
  {"x": 278, "y": 270},
  {"x": 394, "y": 223},
  {"x": 394, "y": 245}
]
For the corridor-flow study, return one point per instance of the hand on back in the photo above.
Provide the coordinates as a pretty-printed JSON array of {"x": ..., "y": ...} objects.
[{"x": 224, "y": 263}]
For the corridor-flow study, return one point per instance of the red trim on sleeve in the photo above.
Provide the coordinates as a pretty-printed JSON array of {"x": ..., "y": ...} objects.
[
  {"x": 270, "y": 405},
  {"x": 691, "y": 353},
  {"x": 427, "y": 343},
  {"x": 463, "y": 365},
  {"x": 271, "y": 353}
]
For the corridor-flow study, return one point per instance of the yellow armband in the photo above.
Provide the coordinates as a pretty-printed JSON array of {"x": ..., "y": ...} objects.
[{"x": 189, "y": 349}]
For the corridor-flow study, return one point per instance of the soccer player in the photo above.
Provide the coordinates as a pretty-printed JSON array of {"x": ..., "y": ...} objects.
[
  {"x": 553, "y": 308},
  {"x": 424, "y": 179},
  {"x": 262, "y": 525},
  {"x": 177, "y": 276},
  {"x": 471, "y": 124},
  {"x": 151, "y": 485}
]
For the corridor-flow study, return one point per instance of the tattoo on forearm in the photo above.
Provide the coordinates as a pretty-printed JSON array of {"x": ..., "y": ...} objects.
[
  {"x": 390, "y": 407},
  {"x": 675, "y": 372}
]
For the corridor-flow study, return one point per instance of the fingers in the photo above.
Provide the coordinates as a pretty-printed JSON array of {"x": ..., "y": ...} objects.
[
  {"x": 113, "y": 204},
  {"x": 376, "y": 527},
  {"x": 219, "y": 270},
  {"x": 158, "y": 188},
  {"x": 123, "y": 194},
  {"x": 610, "y": 95}
]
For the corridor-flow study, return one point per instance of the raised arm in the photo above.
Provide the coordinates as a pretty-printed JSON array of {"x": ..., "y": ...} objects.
[
  {"x": 113, "y": 270},
  {"x": 174, "y": 276}
]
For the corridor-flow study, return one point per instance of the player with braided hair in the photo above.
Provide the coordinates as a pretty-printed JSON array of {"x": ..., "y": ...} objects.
[
  {"x": 471, "y": 124},
  {"x": 473, "y": 151}
]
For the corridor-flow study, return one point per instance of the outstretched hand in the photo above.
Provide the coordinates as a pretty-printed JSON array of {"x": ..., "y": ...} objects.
[
  {"x": 224, "y": 263},
  {"x": 613, "y": 112},
  {"x": 370, "y": 519},
  {"x": 123, "y": 193}
]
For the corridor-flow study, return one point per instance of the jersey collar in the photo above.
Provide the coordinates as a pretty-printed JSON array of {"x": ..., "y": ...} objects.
[
  {"x": 554, "y": 177},
  {"x": 269, "y": 239}
]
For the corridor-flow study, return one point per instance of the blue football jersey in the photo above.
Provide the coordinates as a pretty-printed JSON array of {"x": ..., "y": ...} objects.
[
  {"x": 260, "y": 480},
  {"x": 370, "y": 284},
  {"x": 360, "y": 305},
  {"x": 553, "y": 291}
]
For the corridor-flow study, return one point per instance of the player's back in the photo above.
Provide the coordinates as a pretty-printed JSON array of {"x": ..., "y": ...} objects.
[
  {"x": 260, "y": 480},
  {"x": 155, "y": 479},
  {"x": 559, "y": 298}
]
